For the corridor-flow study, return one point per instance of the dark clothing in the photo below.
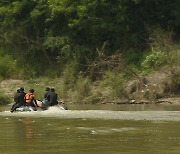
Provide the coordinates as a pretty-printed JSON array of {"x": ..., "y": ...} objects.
[
  {"x": 52, "y": 97},
  {"x": 17, "y": 101},
  {"x": 46, "y": 96},
  {"x": 22, "y": 100},
  {"x": 16, "y": 97},
  {"x": 15, "y": 106},
  {"x": 32, "y": 104},
  {"x": 46, "y": 100}
]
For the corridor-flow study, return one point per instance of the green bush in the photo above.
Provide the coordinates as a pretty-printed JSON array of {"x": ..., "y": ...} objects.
[
  {"x": 154, "y": 60},
  {"x": 116, "y": 82},
  {"x": 132, "y": 57},
  {"x": 83, "y": 87},
  {"x": 8, "y": 67},
  {"x": 69, "y": 77}
]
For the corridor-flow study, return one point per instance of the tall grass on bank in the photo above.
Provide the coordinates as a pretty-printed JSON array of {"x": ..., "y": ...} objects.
[
  {"x": 4, "y": 99},
  {"x": 115, "y": 82},
  {"x": 40, "y": 84}
]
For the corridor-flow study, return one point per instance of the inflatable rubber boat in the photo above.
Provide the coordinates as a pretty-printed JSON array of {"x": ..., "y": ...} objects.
[{"x": 42, "y": 105}]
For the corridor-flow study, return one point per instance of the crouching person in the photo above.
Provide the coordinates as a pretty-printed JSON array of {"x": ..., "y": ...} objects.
[
  {"x": 53, "y": 97},
  {"x": 19, "y": 99},
  {"x": 16, "y": 101},
  {"x": 45, "y": 102}
]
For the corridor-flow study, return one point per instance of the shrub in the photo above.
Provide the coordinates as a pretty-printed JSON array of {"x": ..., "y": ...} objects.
[
  {"x": 8, "y": 67},
  {"x": 69, "y": 77},
  {"x": 116, "y": 82},
  {"x": 154, "y": 60},
  {"x": 83, "y": 87},
  {"x": 132, "y": 57}
]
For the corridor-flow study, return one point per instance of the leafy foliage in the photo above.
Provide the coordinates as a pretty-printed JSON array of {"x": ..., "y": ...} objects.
[
  {"x": 52, "y": 33},
  {"x": 8, "y": 67},
  {"x": 154, "y": 60}
]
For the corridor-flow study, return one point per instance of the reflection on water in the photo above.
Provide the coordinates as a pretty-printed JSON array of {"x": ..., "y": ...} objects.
[
  {"x": 91, "y": 131},
  {"x": 28, "y": 133}
]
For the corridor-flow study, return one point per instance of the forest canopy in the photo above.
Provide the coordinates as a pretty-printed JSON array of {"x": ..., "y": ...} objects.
[{"x": 45, "y": 35}]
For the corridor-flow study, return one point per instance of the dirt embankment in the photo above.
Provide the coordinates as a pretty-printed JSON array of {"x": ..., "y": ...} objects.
[{"x": 155, "y": 88}]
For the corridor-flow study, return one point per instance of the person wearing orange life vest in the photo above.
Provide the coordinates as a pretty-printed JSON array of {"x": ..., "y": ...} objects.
[{"x": 30, "y": 99}]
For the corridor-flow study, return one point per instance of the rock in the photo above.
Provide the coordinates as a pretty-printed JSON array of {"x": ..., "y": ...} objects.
[
  {"x": 174, "y": 100},
  {"x": 131, "y": 87}
]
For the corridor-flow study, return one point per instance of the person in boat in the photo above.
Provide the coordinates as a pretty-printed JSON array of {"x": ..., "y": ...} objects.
[
  {"x": 16, "y": 101},
  {"x": 47, "y": 93},
  {"x": 46, "y": 100},
  {"x": 30, "y": 99},
  {"x": 22, "y": 96},
  {"x": 52, "y": 97}
]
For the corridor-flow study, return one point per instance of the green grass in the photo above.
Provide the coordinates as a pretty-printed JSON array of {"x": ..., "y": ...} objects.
[{"x": 40, "y": 84}]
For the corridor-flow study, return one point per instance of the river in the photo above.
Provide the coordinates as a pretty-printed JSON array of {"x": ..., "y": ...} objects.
[{"x": 92, "y": 129}]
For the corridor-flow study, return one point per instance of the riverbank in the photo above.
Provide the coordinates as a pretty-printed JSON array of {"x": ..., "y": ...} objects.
[{"x": 153, "y": 89}]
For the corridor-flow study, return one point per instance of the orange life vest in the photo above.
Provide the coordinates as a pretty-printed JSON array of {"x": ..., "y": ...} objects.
[{"x": 29, "y": 97}]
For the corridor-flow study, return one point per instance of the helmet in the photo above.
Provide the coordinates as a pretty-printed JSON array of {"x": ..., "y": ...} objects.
[
  {"x": 52, "y": 89},
  {"x": 22, "y": 88},
  {"x": 31, "y": 90},
  {"x": 47, "y": 89}
]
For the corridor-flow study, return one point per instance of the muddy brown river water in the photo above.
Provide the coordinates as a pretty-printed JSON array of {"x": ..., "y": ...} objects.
[{"x": 92, "y": 129}]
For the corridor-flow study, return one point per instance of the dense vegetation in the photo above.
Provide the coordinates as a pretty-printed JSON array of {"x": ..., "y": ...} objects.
[{"x": 87, "y": 38}]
